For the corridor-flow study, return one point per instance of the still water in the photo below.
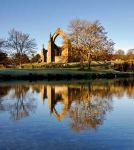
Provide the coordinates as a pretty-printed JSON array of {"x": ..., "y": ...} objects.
[{"x": 97, "y": 114}]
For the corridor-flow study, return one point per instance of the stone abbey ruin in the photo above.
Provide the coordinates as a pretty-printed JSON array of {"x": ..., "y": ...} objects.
[{"x": 54, "y": 53}]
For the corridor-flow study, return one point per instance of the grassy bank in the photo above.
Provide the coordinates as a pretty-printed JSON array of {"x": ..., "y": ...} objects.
[{"x": 61, "y": 74}]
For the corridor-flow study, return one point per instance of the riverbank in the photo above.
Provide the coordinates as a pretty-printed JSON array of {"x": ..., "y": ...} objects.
[{"x": 60, "y": 74}]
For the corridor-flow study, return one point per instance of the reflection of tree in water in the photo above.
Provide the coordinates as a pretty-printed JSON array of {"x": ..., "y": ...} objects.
[
  {"x": 4, "y": 90},
  {"x": 124, "y": 86},
  {"x": 86, "y": 103},
  {"x": 95, "y": 101},
  {"x": 89, "y": 114},
  {"x": 22, "y": 104}
]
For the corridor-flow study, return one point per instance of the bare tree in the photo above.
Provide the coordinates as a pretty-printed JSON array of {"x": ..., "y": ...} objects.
[
  {"x": 20, "y": 43},
  {"x": 89, "y": 37},
  {"x": 2, "y": 45},
  {"x": 3, "y": 55}
]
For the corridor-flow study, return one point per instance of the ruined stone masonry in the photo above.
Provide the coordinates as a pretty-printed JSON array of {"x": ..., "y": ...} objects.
[{"x": 58, "y": 54}]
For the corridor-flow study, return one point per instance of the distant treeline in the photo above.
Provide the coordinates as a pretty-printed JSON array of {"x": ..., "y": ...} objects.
[{"x": 126, "y": 66}]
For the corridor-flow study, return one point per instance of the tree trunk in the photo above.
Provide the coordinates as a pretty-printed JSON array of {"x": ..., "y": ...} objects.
[
  {"x": 81, "y": 64},
  {"x": 20, "y": 60},
  {"x": 89, "y": 60},
  {"x": 89, "y": 64},
  {"x": 81, "y": 61}
]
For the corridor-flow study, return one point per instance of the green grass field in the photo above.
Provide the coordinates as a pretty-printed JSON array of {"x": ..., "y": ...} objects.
[{"x": 62, "y": 71}]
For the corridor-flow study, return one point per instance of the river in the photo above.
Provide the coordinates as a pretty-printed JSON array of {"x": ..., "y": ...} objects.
[{"x": 96, "y": 114}]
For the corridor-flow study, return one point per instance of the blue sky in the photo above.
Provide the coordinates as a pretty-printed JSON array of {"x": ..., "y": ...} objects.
[{"x": 40, "y": 17}]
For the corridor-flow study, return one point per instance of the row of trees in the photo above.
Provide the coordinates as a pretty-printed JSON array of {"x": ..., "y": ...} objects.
[
  {"x": 121, "y": 55},
  {"x": 89, "y": 42}
]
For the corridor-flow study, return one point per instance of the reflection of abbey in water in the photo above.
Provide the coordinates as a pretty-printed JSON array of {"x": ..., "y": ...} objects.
[
  {"x": 86, "y": 105},
  {"x": 64, "y": 94},
  {"x": 90, "y": 93}
]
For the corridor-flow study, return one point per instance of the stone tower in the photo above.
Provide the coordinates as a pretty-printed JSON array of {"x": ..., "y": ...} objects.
[{"x": 43, "y": 54}]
